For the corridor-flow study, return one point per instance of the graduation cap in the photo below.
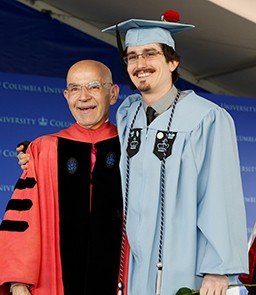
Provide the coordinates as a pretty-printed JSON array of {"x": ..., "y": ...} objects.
[{"x": 140, "y": 32}]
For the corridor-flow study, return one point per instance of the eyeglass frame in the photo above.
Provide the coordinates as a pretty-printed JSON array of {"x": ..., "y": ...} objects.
[
  {"x": 143, "y": 54},
  {"x": 86, "y": 85}
]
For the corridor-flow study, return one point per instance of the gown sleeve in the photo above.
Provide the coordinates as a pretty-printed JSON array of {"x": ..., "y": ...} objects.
[
  {"x": 20, "y": 232},
  {"x": 251, "y": 277},
  {"x": 222, "y": 235}
]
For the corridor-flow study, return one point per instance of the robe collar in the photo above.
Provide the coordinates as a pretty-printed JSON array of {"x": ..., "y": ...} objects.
[{"x": 79, "y": 133}]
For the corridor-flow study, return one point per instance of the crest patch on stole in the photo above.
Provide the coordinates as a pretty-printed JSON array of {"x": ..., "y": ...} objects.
[
  {"x": 110, "y": 160},
  {"x": 134, "y": 142},
  {"x": 72, "y": 165},
  {"x": 163, "y": 143}
]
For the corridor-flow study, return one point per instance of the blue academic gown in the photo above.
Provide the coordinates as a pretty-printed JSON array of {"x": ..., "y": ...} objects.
[{"x": 205, "y": 223}]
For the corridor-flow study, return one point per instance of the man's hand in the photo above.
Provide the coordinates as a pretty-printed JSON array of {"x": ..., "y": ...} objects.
[
  {"x": 20, "y": 290},
  {"x": 214, "y": 285},
  {"x": 23, "y": 158}
]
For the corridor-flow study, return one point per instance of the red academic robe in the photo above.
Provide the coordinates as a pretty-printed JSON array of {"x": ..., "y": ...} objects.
[
  {"x": 41, "y": 233},
  {"x": 251, "y": 277}
]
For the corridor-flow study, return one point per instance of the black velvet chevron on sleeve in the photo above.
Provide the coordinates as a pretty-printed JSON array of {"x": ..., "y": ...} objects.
[
  {"x": 13, "y": 225},
  {"x": 19, "y": 205},
  {"x": 28, "y": 182}
]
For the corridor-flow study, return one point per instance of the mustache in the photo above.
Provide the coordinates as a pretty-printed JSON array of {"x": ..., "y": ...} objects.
[{"x": 147, "y": 70}]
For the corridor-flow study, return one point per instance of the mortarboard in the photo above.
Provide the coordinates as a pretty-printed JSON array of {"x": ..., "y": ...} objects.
[{"x": 140, "y": 31}]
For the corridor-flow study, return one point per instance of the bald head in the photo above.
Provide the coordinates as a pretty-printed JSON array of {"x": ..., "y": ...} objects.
[
  {"x": 92, "y": 92},
  {"x": 89, "y": 66}
]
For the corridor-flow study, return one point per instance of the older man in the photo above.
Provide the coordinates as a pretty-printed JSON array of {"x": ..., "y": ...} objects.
[{"x": 61, "y": 231}]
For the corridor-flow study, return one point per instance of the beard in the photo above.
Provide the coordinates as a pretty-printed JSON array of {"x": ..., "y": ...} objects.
[{"x": 143, "y": 87}]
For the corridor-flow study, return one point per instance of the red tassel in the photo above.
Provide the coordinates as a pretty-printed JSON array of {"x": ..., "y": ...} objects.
[{"x": 171, "y": 16}]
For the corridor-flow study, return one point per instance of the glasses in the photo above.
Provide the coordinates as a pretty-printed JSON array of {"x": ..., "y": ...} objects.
[
  {"x": 93, "y": 87},
  {"x": 147, "y": 55}
]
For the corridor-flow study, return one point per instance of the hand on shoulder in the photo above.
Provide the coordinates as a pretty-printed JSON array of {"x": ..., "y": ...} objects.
[{"x": 22, "y": 157}]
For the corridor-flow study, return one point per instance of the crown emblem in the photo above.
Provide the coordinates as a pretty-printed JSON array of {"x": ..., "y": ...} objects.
[{"x": 42, "y": 121}]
